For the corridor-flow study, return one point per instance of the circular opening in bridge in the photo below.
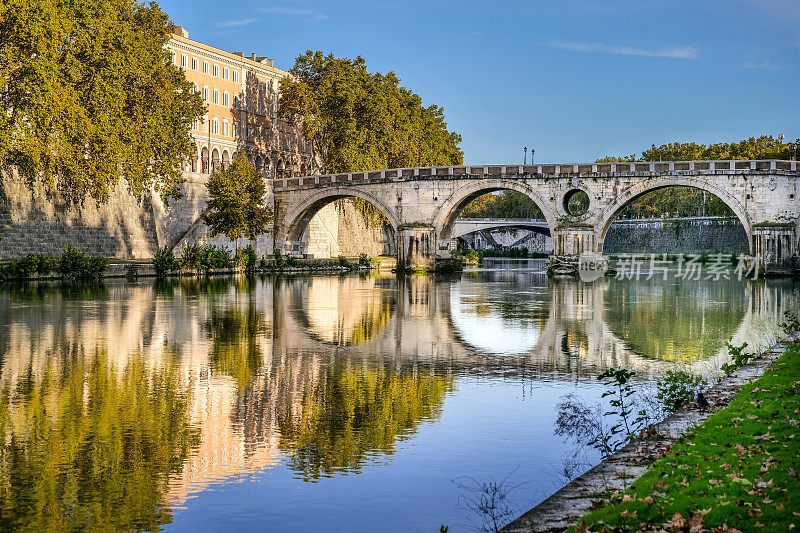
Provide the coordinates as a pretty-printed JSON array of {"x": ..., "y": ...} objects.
[{"x": 576, "y": 202}]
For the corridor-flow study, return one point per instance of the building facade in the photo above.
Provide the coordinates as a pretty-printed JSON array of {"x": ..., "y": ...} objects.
[{"x": 241, "y": 95}]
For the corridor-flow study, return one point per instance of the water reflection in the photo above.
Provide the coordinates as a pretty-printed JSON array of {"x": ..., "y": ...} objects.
[{"x": 123, "y": 401}]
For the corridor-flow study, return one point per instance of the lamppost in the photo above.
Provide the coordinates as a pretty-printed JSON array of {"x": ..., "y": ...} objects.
[
  {"x": 525, "y": 156},
  {"x": 653, "y": 148},
  {"x": 532, "y": 152}
]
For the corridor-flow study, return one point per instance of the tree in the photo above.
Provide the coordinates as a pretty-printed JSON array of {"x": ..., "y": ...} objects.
[
  {"x": 355, "y": 120},
  {"x": 89, "y": 95},
  {"x": 236, "y": 203}
]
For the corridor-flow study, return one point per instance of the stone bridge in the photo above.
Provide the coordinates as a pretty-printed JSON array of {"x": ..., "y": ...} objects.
[
  {"x": 463, "y": 226},
  {"x": 422, "y": 204}
]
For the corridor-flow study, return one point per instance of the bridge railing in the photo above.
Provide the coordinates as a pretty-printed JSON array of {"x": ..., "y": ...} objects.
[{"x": 557, "y": 169}]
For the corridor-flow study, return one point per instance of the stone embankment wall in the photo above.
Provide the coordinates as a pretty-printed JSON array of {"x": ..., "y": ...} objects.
[
  {"x": 31, "y": 221},
  {"x": 131, "y": 227},
  {"x": 682, "y": 235}
]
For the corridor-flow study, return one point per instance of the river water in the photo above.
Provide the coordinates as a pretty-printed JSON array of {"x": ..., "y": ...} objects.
[{"x": 352, "y": 403}]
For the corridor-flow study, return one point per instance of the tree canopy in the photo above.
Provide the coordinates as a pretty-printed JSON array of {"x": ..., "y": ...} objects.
[
  {"x": 763, "y": 147},
  {"x": 236, "y": 201},
  {"x": 357, "y": 120},
  {"x": 89, "y": 95}
]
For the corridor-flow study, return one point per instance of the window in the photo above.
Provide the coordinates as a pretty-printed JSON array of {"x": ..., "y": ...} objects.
[
  {"x": 205, "y": 94},
  {"x": 236, "y": 76},
  {"x": 215, "y": 127},
  {"x": 225, "y": 99},
  {"x": 235, "y": 129},
  {"x": 196, "y": 125},
  {"x": 196, "y": 90},
  {"x": 226, "y": 128},
  {"x": 225, "y": 73},
  {"x": 205, "y": 67},
  {"x": 194, "y": 63},
  {"x": 236, "y": 102},
  {"x": 183, "y": 60},
  {"x": 216, "y": 96},
  {"x": 216, "y": 71},
  {"x": 174, "y": 61}
]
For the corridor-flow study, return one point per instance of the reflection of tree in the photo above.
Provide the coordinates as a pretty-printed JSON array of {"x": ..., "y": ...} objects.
[
  {"x": 87, "y": 447},
  {"x": 352, "y": 414},
  {"x": 686, "y": 320},
  {"x": 235, "y": 335}
]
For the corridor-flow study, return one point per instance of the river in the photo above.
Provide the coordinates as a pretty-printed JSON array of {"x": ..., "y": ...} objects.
[{"x": 354, "y": 403}]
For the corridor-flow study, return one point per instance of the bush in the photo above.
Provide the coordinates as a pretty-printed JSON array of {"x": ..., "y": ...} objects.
[
  {"x": 203, "y": 258},
  {"x": 164, "y": 261},
  {"x": 343, "y": 262},
  {"x": 247, "y": 258},
  {"x": 74, "y": 264},
  {"x": 279, "y": 262},
  {"x": 677, "y": 388}
]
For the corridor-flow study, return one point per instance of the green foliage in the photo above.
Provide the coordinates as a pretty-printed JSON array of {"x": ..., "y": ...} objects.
[
  {"x": 88, "y": 95},
  {"x": 26, "y": 267},
  {"x": 74, "y": 264},
  {"x": 247, "y": 258},
  {"x": 738, "y": 358},
  {"x": 235, "y": 335},
  {"x": 164, "y": 261},
  {"x": 505, "y": 204},
  {"x": 678, "y": 387},
  {"x": 279, "y": 261},
  {"x": 236, "y": 201},
  {"x": 356, "y": 120},
  {"x": 344, "y": 262},
  {"x": 203, "y": 258},
  {"x": 515, "y": 253},
  {"x": 736, "y": 470}
]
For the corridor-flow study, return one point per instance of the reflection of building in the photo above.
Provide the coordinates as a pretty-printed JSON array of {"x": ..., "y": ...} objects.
[{"x": 242, "y": 98}]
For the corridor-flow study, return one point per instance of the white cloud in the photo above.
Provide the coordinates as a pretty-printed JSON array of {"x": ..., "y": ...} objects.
[
  {"x": 764, "y": 64},
  {"x": 293, "y": 12},
  {"x": 683, "y": 52},
  {"x": 234, "y": 23}
]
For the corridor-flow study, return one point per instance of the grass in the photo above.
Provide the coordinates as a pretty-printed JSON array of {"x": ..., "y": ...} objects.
[{"x": 738, "y": 470}]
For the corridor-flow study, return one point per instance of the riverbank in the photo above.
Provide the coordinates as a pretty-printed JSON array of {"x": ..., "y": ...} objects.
[{"x": 735, "y": 467}]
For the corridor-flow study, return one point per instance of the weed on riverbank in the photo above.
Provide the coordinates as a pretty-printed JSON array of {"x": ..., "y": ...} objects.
[{"x": 737, "y": 471}]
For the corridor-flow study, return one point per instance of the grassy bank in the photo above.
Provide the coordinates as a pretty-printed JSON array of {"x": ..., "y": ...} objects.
[{"x": 739, "y": 469}]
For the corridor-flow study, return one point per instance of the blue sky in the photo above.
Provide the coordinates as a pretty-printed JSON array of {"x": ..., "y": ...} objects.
[{"x": 576, "y": 79}]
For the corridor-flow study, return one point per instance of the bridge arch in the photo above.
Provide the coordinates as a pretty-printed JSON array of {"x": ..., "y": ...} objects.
[
  {"x": 296, "y": 220},
  {"x": 447, "y": 213},
  {"x": 609, "y": 214}
]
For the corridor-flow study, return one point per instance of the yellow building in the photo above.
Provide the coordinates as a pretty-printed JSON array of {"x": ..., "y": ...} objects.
[{"x": 241, "y": 94}]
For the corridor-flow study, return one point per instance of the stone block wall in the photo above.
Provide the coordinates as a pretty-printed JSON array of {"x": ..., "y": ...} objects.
[
  {"x": 684, "y": 235},
  {"x": 31, "y": 221}
]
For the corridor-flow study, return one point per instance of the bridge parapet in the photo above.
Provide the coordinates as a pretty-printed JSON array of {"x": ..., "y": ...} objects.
[{"x": 555, "y": 170}]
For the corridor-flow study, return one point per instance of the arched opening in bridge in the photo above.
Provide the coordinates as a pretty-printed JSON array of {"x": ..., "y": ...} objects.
[
  {"x": 675, "y": 219},
  {"x": 503, "y": 219},
  {"x": 342, "y": 225}
]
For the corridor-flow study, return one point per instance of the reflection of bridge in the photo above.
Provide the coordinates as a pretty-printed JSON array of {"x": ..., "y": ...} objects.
[{"x": 422, "y": 204}]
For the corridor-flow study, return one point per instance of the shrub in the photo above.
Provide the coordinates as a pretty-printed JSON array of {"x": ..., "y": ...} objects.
[
  {"x": 247, "y": 258},
  {"x": 678, "y": 387},
  {"x": 74, "y": 264},
  {"x": 279, "y": 262},
  {"x": 203, "y": 258},
  {"x": 738, "y": 358},
  {"x": 164, "y": 261},
  {"x": 343, "y": 262}
]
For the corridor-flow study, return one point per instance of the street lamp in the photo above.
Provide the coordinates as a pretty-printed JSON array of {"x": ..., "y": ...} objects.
[
  {"x": 525, "y": 156},
  {"x": 532, "y": 152}
]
